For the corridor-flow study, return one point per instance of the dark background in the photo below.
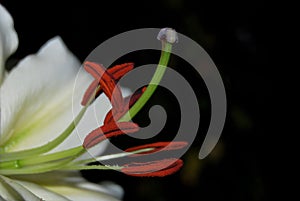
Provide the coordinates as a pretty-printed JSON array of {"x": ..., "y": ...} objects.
[{"x": 237, "y": 36}]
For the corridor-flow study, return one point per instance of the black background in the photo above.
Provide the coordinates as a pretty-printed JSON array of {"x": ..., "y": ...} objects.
[{"x": 237, "y": 36}]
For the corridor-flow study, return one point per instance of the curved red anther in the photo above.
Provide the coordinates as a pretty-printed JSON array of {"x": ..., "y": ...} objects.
[
  {"x": 107, "y": 131},
  {"x": 114, "y": 115},
  {"x": 159, "y": 168},
  {"x": 117, "y": 72},
  {"x": 107, "y": 83},
  {"x": 132, "y": 99}
]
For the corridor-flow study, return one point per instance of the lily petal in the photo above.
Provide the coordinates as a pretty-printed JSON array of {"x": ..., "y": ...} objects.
[
  {"x": 83, "y": 191},
  {"x": 42, "y": 192},
  {"x": 8, "y": 38},
  {"x": 36, "y": 97},
  {"x": 70, "y": 186},
  {"x": 12, "y": 190}
]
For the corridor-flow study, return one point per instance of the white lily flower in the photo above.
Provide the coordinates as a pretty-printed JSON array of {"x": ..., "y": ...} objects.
[
  {"x": 40, "y": 149},
  {"x": 37, "y": 103}
]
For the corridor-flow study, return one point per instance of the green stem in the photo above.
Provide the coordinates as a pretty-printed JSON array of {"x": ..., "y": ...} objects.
[{"x": 162, "y": 65}]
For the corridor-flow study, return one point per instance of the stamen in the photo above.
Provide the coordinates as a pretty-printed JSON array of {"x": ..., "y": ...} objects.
[
  {"x": 113, "y": 115},
  {"x": 107, "y": 131},
  {"x": 166, "y": 146},
  {"x": 159, "y": 168},
  {"x": 117, "y": 71},
  {"x": 107, "y": 83},
  {"x": 132, "y": 99}
]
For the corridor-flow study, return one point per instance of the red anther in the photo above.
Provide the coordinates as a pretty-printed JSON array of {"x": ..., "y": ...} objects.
[
  {"x": 113, "y": 116},
  {"x": 107, "y": 131},
  {"x": 166, "y": 146},
  {"x": 107, "y": 83},
  {"x": 158, "y": 168},
  {"x": 117, "y": 72},
  {"x": 130, "y": 100}
]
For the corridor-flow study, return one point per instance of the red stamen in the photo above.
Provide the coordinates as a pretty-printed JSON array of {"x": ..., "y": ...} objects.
[
  {"x": 132, "y": 99},
  {"x": 107, "y": 83},
  {"x": 166, "y": 146},
  {"x": 113, "y": 116},
  {"x": 107, "y": 131},
  {"x": 128, "y": 100},
  {"x": 158, "y": 168},
  {"x": 117, "y": 71}
]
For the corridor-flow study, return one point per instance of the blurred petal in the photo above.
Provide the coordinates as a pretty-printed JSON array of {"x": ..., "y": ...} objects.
[
  {"x": 8, "y": 38},
  {"x": 36, "y": 97}
]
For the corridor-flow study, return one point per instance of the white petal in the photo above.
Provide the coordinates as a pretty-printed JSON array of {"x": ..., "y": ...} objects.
[
  {"x": 113, "y": 189},
  {"x": 38, "y": 99},
  {"x": 8, "y": 38},
  {"x": 83, "y": 191},
  {"x": 70, "y": 186},
  {"x": 13, "y": 190},
  {"x": 42, "y": 192},
  {"x": 36, "y": 103}
]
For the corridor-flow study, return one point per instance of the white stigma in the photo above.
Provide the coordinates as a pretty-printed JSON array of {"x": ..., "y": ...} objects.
[{"x": 168, "y": 34}]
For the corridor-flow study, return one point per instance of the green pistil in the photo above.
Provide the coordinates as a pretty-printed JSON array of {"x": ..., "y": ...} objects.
[{"x": 161, "y": 68}]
